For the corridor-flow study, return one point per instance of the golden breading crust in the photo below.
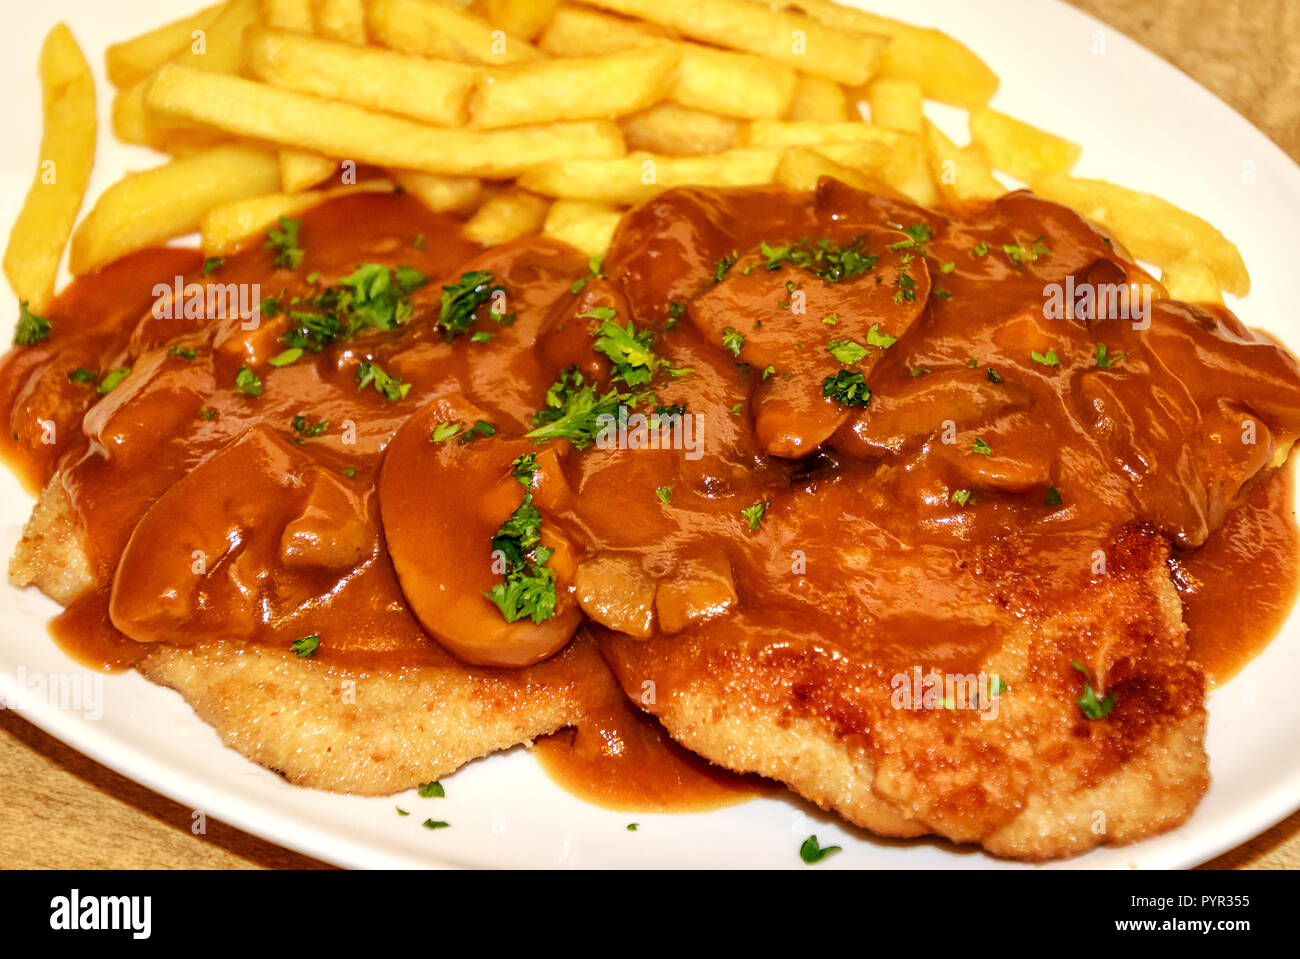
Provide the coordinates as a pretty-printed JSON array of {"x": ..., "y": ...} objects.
[
  {"x": 1038, "y": 781},
  {"x": 319, "y": 725}
]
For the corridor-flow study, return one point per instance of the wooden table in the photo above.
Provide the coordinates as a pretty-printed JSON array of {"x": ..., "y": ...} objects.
[{"x": 62, "y": 809}]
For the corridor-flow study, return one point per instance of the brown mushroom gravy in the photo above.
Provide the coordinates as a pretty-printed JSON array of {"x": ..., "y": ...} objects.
[{"x": 824, "y": 403}]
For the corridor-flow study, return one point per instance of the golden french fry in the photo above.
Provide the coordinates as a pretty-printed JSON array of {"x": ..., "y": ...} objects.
[
  {"x": 520, "y": 18},
  {"x": 843, "y": 55},
  {"x": 510, "y": 214},
  {"x": 31, "y": 260},
  {"x": 680, "y": 131},
  {"x": 217, "y": 50},
  {"x": 962, "y": 174},
  {"x": 435, "y": 91},
  {"x": 1191, "y": 280},
  {"x": 1017, "y": 148},
  {"x": 342, "y": 20},
  {"x": 1151, "y": 228},
  {"x": 579, "y": 88},
  {"x": 896, "y": 104},
  {"x": 132, "y": 60},
  {"x": 432, "y": 29},
  {"x": 581, "y": 32},
  {"x": 587, "y": 226},
  {"x": 782, "y": 133},
  {"x": 261, "y": 112},
  {"x": 288, "y": 15},
  {"x": 718, "y": 81},
  {"x": 819, "y": 100},
  {"x": 300, "y": 170},
  {"x": 945, "y": 69},
  {"x": 224, "y": 228},
  {"x": 442, "y": 194},
  {"x": 802, "y": 168},
  {"x": 630, "y": 179},
  {"x": 144, "y": 209},
  {"x": 902, "y": 165},
  {"x": 133, "y": 124}
]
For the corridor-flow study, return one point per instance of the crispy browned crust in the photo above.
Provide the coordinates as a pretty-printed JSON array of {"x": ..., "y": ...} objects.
[
  {"x": 1039, "y": 781},
  {"x": 319, "y": 725}
]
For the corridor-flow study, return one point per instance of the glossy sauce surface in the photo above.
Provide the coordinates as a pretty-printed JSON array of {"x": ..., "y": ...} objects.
[{"x": 383, "y": 555}]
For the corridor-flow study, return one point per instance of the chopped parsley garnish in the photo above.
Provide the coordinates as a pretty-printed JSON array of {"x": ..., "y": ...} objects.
[
  {"x": 443, "y": 432},
  {"x": 1052, "y": 497},
  {"x": 829, "y": 261},
  {"x": 754, "y": 514},
  {"x": 184, "y": 352},
  {"x": 632, "y": 826},
  {"x": 284, "y": 242},
  {"x": 462, "y": 298},
  {"x": 920, "y": 234},
  {"x": 723, "y": 266},
  {"x": 401, "y": 811},
  {"x": 847, "y": 388},
  {"x": 207, "y": 413},
  {"x": 573, "y": 410},
  {"x": 372, "y": 297},
  {"x": 733, "y": 341},
  {"x": 665, "y": 494},
  {"x": 812, "y": 851},
  {"x": 596, "y": 272},
  {"x": 432, "y": 790},
  {"x": 31, "y": 328},
  {"x": 916, "y": 372},
  {"x": 212, "y": 264},
  {"x": 1088, "y": 703},
  {"x": 482, "y": 336},
  {"x": 390, "y": 388},
  {"x": 880, "y": 340},
  {"x": 979, "y": 446},
  {"x": 436, "y": 824},
  {"x": 287, "y": 357},
  {"x": 963, "y": 496},
  {"x": 906, "y": 289},
  {"x": 1045, "y": 359},
  {"x": 305, "y": 646},
  {"x": 1020, "y": 255},
  {"x": 631, "y": 352},
  {"x": 830, "y": 319},
  {"x": 82, "y": 375},
  {"x": 480, "y": 428},
  {"x": 768, "y": 371},
  {"x": 246, "y": 382},
  {"x": 1106, "y": 360},
  {"x": 982, "y": 249},
  {"x": 946, "y": 268},
  {"x": 349, "y": 471},
  {"x": 523, "y": 468},
  {"x": 305, "y": 431},
  {"x": 528, "y": 589},
  {"x": 112, "y": 379},
  {"x": 846, "y": 351},
  {"x": 994, "y": 375}
]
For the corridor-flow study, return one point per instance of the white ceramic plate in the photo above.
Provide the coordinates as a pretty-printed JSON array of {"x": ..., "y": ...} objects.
[{"x": 1143, "y": 124}]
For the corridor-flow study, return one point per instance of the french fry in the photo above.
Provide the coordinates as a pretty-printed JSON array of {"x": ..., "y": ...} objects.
[
  {"x": 782, "y": 134},
  {"x": 432, "y": 29},
  {"x": 582, "y": 32},
  {"x": 217, "y": 51},
  {"x": 224, "y": 228},
  {"x": 435, "y": 91},
  {"x": 31, "y": 260},
  {"x": 962, "y": 174},
  {"x": 680, "y": 131},
  {"x": 342, "y": 20},
  {"x": 718, "y": 81},
  {"x": 300, "y": 170},
  {"x": 896, "y": 104},
  {"x": 261, "y": 112},
  {"x": 902, "y": 166},
  {"x": 288, "y": 15},
  {"x": 442, "y": 194},
  {"x": 510, "y": 214},
  {"x": 587, "y": 226},
  {"x": 1191, "y": 280},
  {"x": 1151, "y": 228},
  {"x": 945, "y": 69},
  {"x": 133, "y": 124},
  {"x": 1017, "y": 148},
  {"x": 818, "y": 100},
  {"x": 144, "y": 209},
  {"x": 580, "y": 88},
  {"x": 801, "y": 169},
  {"x": 521, "y": 18},
  {"x": 132, "y": 60},
  {"x": 843, "y": 55},
  {"x": 630, "y": 179}
]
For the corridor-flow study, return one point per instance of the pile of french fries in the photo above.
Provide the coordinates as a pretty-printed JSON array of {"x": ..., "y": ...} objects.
[{"x": 537, "y": 116}]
